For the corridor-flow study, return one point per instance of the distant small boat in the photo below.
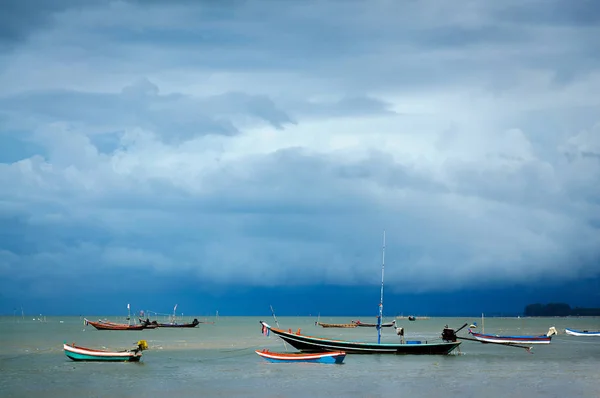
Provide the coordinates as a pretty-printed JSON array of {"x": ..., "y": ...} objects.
[
  {"x": 324, "y": 357},
  {"x": 412, "y": 318},
  {"x": 574, "y": 332},
  {"x": 155, "y": 324},
  {"x": 374, "y": 325},
  {"x": 491, "y": 338},
  {"x": 336, "y": 325},
  {"x": 104, "y": 325},
  {"x": 77, "y": 353}
]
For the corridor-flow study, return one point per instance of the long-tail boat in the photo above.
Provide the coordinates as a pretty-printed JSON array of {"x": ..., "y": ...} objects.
[
  {"x": 374, "y": 325},
  {"x": 104, "y": 325},
  {"x": 77, "y": 353},
  {"x": 525, "y": 339},
  {"x": 173, "y": 324},
  {"x": 574, "y": 332},
  {"x": 311, "y": 344},
  {"x": 335, "y": 357},
  {"x": 336, "y": 325}
]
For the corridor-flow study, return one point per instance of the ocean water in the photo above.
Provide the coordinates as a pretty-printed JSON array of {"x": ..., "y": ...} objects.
[{"x": 219, "y": 361}]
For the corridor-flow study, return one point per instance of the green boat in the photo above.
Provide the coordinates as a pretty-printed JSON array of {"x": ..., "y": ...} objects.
[{"x": 77, "y": 353}]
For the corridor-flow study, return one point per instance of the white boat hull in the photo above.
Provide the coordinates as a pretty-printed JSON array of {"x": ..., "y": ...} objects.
[{"x": 581, "y": 333}]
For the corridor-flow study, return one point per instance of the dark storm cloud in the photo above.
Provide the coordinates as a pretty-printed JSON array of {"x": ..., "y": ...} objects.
[{"x": 270, "y": 143}]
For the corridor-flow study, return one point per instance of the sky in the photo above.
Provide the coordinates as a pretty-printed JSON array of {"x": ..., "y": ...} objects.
[{"x": 231, "y": 155}]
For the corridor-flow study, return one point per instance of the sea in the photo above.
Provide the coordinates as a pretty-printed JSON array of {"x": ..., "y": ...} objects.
[{"x": 219, "y": 360}]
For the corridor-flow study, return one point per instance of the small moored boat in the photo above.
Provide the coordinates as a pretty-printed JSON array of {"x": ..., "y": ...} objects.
[
  {"x": 374, "y": 325},
  {"x": 492, "y": 338},
  {"x": 77, "y": 353},
  {"x": 104, "y": 325},
  {"x": 336, "y": 325},
  {"x": 154, "y": 324},
  {"x": 335, "y": 357},
  {"x": 574, "y": 332}
]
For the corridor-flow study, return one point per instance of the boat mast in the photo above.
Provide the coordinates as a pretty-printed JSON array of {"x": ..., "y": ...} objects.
[{"x": 381, "y": 298}]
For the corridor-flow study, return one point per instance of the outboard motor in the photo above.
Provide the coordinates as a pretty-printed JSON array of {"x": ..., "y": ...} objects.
[{"x": 448, "y": 334}]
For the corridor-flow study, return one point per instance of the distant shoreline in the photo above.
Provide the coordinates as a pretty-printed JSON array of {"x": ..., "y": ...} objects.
[{"x": 558, "y": 310}]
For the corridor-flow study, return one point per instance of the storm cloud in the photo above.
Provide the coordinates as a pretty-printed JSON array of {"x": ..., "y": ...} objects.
[{"x": 264, "y": 144}]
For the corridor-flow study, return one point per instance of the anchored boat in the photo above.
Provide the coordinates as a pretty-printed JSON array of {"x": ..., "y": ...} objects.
[
  {"x": 336, "y": 325},
  {"x": 374, "y": 325},
  {"x": 77, "y": 353},
  {"x": 104, "y": 325},
  {"x": 491, "y": 338},
  {"x": 335, "y": 357},
  {"x": 574, "y": 332},
  {"x": 312, "y": 344}
]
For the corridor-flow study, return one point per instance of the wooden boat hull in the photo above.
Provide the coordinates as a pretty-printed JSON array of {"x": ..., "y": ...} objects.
[
  {"x": 573, "y": 332},
  {"x": 87, "y": 354},
  {"x": 336, "y": 357},
  {"x": 490, "y": 338},
  {"x": 311, "y": 344},
  {"x": 155, "y": 324},
  {"x": 100, "y": 325},
  {"x": 374, "y": 325},
  {"x": 336, "y": 325}
]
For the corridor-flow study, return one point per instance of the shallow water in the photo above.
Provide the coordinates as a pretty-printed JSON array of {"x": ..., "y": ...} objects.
[{"x": 219, "y": 361}]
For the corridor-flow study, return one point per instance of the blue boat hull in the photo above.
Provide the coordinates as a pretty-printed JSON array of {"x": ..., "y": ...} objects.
[
  {"x": 95, "y": 358},
  {"x": 326, "y": 360},
  {"x": 334, "y": 357}
]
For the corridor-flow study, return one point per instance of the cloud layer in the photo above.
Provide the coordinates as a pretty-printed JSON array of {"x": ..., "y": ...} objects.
[{"x": 259, "y": 144}]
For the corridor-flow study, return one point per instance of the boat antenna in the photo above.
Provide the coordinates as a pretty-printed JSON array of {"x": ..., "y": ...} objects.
[
  {"x": 274, "y": 317},
  {"x": 381, "y": 298},
  {"x": 277, "y": 323}
]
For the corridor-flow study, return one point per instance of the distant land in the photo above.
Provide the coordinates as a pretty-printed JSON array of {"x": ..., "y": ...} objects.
[{"x": 559, "y": 309}]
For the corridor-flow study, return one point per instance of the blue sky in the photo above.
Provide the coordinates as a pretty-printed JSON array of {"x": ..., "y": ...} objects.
[{"x": 234, "y": 154}]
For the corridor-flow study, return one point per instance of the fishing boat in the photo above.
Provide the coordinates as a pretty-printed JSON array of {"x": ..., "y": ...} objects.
[
  {"x": 105, "y": 325},
  {"x": 374, "y": 325},
  {"x": 77, "y": 353},
  {"x": 334, "y": 357},
  {"x": 336, "y": 325},
  {"x": 312, "y": 344},
  {"x": 574, "y": 332},
  {"x": 173, "y": 324},
  {"x": 193, "y": 324},
  {"x": 491, "y": 338}
]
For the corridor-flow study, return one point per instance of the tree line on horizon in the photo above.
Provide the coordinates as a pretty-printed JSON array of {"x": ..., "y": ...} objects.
[{"x": 559, "y": 309}]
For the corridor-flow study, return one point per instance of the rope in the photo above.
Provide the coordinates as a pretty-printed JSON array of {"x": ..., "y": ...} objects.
[{"x": 251, "y": 348}]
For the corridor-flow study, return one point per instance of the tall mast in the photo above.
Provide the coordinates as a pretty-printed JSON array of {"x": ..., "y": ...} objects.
[{"x": 379, "y": 318}]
